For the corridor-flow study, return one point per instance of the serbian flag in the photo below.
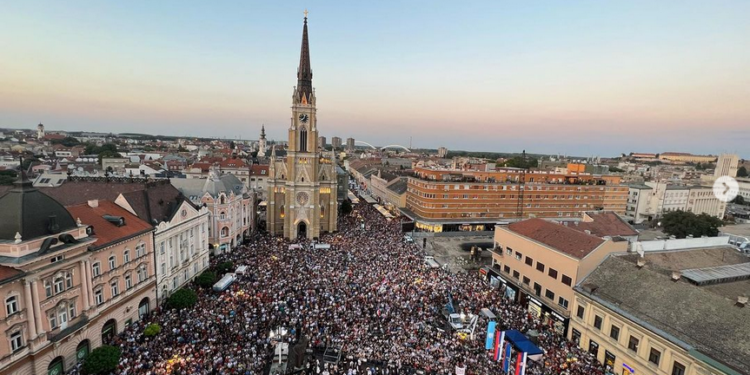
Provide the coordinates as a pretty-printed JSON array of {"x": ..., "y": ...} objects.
[
  {"x": 499, "y": 342},
  {"x": 523, "y": 365},
  {"x": 506, "y": 358},
  {"x": 489, "y": 343},
  {"x": 519, "y": 358}
]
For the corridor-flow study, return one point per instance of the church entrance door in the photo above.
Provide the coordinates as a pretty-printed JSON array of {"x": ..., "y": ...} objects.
[{"x": 302, "y": 230}]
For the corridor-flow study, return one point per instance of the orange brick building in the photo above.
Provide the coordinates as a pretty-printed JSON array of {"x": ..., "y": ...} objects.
[{"x": 451, "y": 200}]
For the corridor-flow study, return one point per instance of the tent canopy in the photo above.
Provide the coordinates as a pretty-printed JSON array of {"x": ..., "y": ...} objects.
[{"x": 522, "y": 343}]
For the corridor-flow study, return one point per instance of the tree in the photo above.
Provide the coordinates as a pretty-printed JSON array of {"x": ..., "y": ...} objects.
[
  {"x": 616, "y": 170},
  {"x": 346, "y": 207},
  {"x": 151, "y": 330},
  {"x": 520, "y": 162},
  {"x": 225, "y": 267},
  {"x": 8, "y": 177},
  {"x": 682, "y": 224},
  {"x": 742, "y": 172},
  {"x": 67, "y": 142},
  {"x": 232, "y": 145},
  {"x": 206, "y": 279},
  {"x": 102, "y": 360},
  {"x": 182, "y": 299}
]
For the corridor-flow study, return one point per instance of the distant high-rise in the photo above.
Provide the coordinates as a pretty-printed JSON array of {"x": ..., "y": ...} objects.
[
  {"x": 322, "y": 141},
  {"x": 336, "y": 142},
  {"x": 350, "y": 144},
  {"x": 726, "y": 165},
  {"x": 39, "y": 131},
  {"x": 442, "y": 152}
]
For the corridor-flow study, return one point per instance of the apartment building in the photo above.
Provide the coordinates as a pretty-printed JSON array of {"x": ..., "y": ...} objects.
[
  {"x": 538, "y": 261},
  {"x": 654, "y": 199},
  {"x": 69, "y": 278},
  {"x": 674, "y": 312},
  {"x": 453, "y": 200}
]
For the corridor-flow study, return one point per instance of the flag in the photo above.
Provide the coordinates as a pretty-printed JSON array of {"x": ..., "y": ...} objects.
[
  {"x": 523, "y": 364},
  {"x": 506, "y": 359},
  {"x": 499, "y": 341},
  {"x": 489, "y": 343},
  {"x": 518, "y": 363}
]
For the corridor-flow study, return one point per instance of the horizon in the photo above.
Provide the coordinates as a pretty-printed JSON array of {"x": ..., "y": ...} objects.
[{"x": 652, "y": 78}]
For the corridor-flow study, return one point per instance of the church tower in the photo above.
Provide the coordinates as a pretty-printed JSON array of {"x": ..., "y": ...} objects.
[
  {"x": 302, "y": 188},
  {"x": 262, "y": 142}
]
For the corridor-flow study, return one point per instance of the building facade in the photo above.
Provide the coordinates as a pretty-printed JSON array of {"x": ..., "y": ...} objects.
[
  {"x": 350, "y": 145},
  {"x": 447, "y": 200},
  {"x": 336, "y": 143},
  {"x": 302, "y": 189},
  {"x": 726, "y": 165},
  {"x": 322, "y": 142},
  {"x": 442, "y": 152},
  {"x": 69, "y": 279},
  {"x": 230, "y": 208},
  {"x": 630, "y": 313},
  {"x": 538, "y": 262}
]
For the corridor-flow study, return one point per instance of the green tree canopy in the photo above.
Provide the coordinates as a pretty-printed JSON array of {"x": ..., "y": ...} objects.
[
  {"x": 206, "y": 279},
  {"x": 182, "y": 299},
  {"x": 681, "y": 224},
  {"x": 346, "y": 207},
  {"x": 102, "y": 360},
  {"x": 151, "y": 330},
  {"x": 225, "y": 267},
  {"x": 67, "y": 142},
  {"x": 520, "y": 162},
  {"x": 742, "y": 172}
]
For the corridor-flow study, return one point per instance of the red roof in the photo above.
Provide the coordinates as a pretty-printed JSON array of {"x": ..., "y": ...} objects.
[
  {"x": 8, "y": 272},
  {"x": 258, "y": 170},
  {"x": 106, "y": 232},
  {"x": 557, "y": 236},
  {"x": 604, "y": 223},
  {"x": 232, "y": 163}
]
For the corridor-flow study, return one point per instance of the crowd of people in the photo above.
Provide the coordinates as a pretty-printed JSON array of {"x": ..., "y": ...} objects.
[{"x": 368, "y": 296}]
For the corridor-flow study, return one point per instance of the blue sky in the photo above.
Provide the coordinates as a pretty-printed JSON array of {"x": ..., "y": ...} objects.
[{"x": 573, "y": 77}]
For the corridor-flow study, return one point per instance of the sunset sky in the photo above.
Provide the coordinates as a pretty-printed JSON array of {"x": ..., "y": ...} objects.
[{"x": 574, "y": 77}]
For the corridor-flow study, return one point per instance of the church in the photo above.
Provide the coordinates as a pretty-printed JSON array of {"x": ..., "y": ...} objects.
[{"x": 302, "y": 186}]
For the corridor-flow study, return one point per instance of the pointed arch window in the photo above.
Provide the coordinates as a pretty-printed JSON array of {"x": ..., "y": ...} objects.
[
  {"x": 281, "y": 211},
  {"x": 303, "y": 139}
]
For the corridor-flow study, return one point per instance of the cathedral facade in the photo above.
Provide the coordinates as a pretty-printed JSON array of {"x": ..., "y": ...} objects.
[{"x": 302, "y": 186}]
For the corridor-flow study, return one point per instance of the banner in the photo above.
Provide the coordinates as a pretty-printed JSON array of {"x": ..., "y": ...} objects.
[
  {"x": 523, "y": 364},
  {"x": 506, "y": 358},
  {"x": 489, "y": 343},
  {"x": 518, "y": 363}
]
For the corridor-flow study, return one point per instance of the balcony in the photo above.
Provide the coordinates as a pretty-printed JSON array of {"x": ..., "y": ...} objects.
[{"x": 82, "y": 320}]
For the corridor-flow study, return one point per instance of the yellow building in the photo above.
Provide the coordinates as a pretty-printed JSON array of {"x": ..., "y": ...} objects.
[
  {"x": 666, "y": 313},
  {"x": 539, "y": 261}
]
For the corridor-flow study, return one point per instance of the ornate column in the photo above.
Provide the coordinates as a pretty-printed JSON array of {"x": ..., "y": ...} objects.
[
  {"x": 30, "y": 307},
  {"x": 36, "y": 304},
  {"x": 85, "y": 287}
]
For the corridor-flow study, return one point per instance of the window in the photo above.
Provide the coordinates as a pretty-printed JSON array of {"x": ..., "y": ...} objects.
[
  {"x": 519, "y": 256},
  {"x": 96, "y": 270},
  {"x": 112, "y": 262},
  {"x": 115, "y": 289},
  {"x": 526, "y": 280},
  {"x": 11, "y": 305},
  {"x": 614, "y": 332},
  {"x": 553, "y": 273},
  {"x": 48, "y": 288},
  {"x": 174, "y": 283},
  {"x": 142, "y": 273},
  {"x": 509, "y": 251},
  {"x": 678, "y": 368},
  {"x": 537, "y": 289},
  {"x": 69, "y": 280},
  {"x": 126, "y": 256},
  {"x": 529, "y": 261},
  {"x": 98, "y": 297},
  {"x": 163, "y": 268},
  {"x": 140, "y": 250},
  {"x": 549, "y": 294},
  {"x": 52, "y": 320},
  {"x": 128, "y": 281},
  {"x": 597, "y": 322},
  {"x": 516, "y": 275},
  {"x": 633, "y": 344},
  {"x": 567, "y": 280},
  {"x": 16, "y": 341},
  {"x": 72, "y": 310},
  {"x": 540, "y": 266},
  {"x": 580, "y": 312},
  {"x": 562, "y": 302},
  {"x": 59, "y": 286},
  {"x": 654, "y": 356}
]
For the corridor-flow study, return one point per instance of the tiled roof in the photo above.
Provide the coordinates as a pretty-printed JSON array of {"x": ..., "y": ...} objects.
[
  {"x": 258, "y": 170},
  {"x": 74, "y": 192},
  {"x": 557, "y": 236},
  {"x": 398, "y": 187},
  {"x": 604, "y": 223},
  {"x": 8, "y": 272},
  {"x": 155, "y": 204},
  {"x": 106, "y": 232}
]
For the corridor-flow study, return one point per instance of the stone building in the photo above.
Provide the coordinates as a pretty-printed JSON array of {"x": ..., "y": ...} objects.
[
  {"x": 302, "y": 188},
  {"x": 69, "y": 278}
]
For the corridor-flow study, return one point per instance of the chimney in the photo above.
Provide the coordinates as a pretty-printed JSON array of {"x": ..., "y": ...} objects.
[
  {"x": 641, "y": 262},
  {"x": 587, "y": 231},
  {"x": 94, "y": 203},
  {"x": 742, "y": 301},
  {"x": 676, "y": 275}
]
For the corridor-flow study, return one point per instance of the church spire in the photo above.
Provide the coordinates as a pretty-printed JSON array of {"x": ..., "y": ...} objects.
[
  {"x": 304, "y": 72},
  {"x": 263, "y": 131}
]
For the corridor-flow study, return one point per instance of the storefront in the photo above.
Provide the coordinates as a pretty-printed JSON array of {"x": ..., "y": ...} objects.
[
  {"x": 547, "y": 315},
  {"x": 496, "y": 281}
]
